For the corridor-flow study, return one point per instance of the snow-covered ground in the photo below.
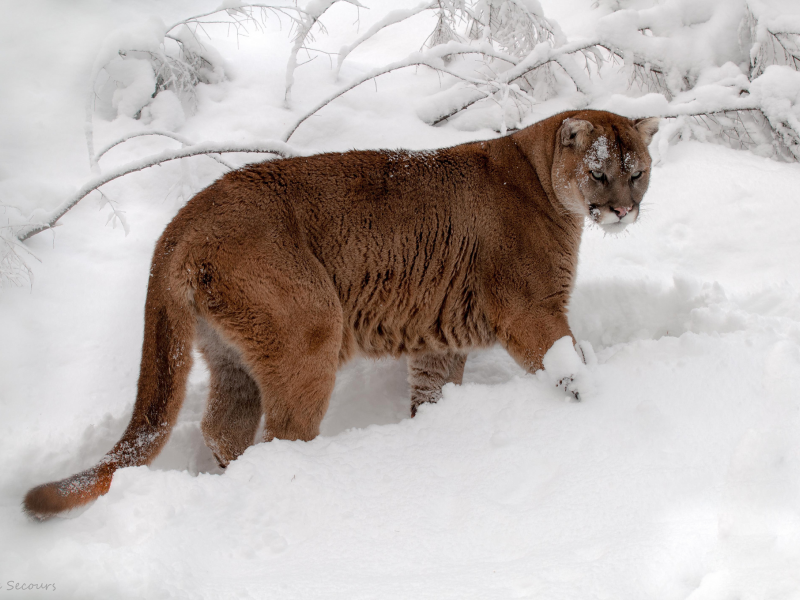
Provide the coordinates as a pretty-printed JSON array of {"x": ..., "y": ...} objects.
[{"x": 676, "y": 477}]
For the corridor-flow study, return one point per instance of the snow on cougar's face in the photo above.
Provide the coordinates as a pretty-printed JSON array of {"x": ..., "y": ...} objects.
[{"x": 607, "y": 171}]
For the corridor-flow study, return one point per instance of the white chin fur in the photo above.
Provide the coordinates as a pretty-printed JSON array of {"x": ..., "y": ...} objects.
[{"x": 617, "y": 227}]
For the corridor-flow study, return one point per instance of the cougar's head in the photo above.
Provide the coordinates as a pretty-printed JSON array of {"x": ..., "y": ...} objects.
[{"x": 601, "y": 167}]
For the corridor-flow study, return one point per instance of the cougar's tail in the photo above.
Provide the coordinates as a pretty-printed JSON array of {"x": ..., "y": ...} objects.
[{"x": 166, "y": 360}]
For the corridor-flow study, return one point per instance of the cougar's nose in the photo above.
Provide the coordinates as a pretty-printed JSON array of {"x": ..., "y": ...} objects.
[{"x": 622, "y": 210}]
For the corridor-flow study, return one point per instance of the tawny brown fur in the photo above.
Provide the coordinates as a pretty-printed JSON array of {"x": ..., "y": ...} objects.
[{"x": 283, "y": 270}]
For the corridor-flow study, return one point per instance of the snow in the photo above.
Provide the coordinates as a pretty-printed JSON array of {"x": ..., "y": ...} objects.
[
  {"x": 778, "y": 90},
  {"x": 164, "y": 112},
  {"x": 677, "y": 475},
  {"x": 137, "y": 82},
  {"x": 565, "y": 369},
  {"x": 691, "y": 33},
  {"x": 597, "y": 153}
]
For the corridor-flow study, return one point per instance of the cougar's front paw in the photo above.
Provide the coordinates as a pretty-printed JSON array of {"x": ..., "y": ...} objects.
[
  {"x": 565, "y": 366},
  {"x": 567, "y": 384}
]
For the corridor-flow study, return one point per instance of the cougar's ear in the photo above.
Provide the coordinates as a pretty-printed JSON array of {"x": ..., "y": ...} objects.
[
  {"x": 575, "y": 132},
  {"x": 647, "y": 128}
]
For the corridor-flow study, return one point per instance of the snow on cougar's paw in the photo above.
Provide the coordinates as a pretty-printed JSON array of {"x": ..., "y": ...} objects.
[{"x": 565, "y": 366}]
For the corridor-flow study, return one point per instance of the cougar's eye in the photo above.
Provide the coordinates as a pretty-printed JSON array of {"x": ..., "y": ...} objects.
[
  {"x": 636, "y": 175},
  {"x": 598, "y": 175}
]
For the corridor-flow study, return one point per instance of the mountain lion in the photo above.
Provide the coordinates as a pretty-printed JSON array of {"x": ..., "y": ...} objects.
[{"x": 283, "y": 270}]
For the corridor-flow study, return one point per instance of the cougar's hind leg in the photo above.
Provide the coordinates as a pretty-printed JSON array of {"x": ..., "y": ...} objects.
[
  {"x": 234, "y": 408},
  {"x": 299, "y": 381},
  {"x": 285, "y": 321},
  {"x": 428, "y": 372}
]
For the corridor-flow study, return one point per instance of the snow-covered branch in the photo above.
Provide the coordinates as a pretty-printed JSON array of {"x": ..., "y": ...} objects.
[
  {"x": 391, "y": 18},
  {"x": 144, "y": 61},
  {"x": 542, "y": 55},
  {"x": 432, "y": 58},
  {"x": 49, "y": 220},
  {"x": 178, "y": 138},
  {"x": 305, "y": 23},
  {"x": 240, "y": 14}
]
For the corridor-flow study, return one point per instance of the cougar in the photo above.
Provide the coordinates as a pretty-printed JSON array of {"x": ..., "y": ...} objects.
[{"x": 281, "y": 271}]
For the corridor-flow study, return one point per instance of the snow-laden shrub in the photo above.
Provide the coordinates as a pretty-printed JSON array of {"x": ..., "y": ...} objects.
[
  {"x": 687, "y": 51},
  {"x": 140, "y": 62},
  {"x": 515, "y": 27},
  {"x": 707, "y": 59},
  {"x": 718, "y": 70},
  {"x": 774, "y": 38}
]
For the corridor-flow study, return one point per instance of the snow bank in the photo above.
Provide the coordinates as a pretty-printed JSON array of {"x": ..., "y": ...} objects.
[{"x": 677, "y": 475}]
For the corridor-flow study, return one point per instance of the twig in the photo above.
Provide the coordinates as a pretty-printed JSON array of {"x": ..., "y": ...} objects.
[
  {"x": 13, "y": 268},
  {"x": 116, "y": 215}
]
